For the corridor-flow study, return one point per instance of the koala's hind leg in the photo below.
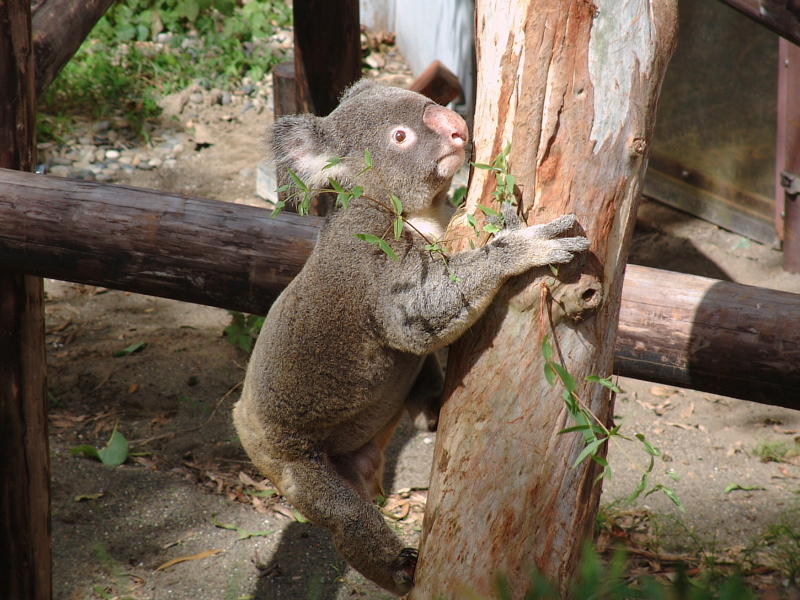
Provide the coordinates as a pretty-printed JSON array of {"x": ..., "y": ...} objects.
[
  {"x": 321, "y": 494},
  {"x": 425, "y": 398}
]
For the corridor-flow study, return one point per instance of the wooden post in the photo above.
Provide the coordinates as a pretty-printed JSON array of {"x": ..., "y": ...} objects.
[
  {"x": 573, "y": 87},
  {"x": 327, "y": 52},
  {"x": 787, "y": 155},
  {"x": 25, "y": 570},
  {"x": 59, "y": 28}
]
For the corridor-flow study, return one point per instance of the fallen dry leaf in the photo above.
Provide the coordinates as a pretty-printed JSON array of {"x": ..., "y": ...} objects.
[
  {"x": 134, "y": 387},
  {"x": 687, "y": 412},
  {"x": 283, "y": 511},
  {"x": 180, "y": 559},
  {"x": 261, "y": 486},
  {"x": 681, "y": 426},
  {"x": 661, "y": 391}
]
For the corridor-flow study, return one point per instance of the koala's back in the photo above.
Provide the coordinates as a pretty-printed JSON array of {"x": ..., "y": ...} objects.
[{"x": 320, "y": 365}]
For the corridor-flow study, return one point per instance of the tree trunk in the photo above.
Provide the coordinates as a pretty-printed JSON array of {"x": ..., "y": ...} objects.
[
  {"x": 572, "y": 86},
  {"x": 25, "y": 468}
]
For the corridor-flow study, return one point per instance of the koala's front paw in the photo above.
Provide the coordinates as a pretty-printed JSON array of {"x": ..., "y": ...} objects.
[
  {"x": 561, "y": 250},
  {"x": 553, "y": 228},
  {"x": 546, "y": 248},
  {"x": 403, "y": 570}
]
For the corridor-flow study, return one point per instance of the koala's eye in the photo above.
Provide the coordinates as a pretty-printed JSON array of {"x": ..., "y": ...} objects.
[{"x": 403, "y": 136}]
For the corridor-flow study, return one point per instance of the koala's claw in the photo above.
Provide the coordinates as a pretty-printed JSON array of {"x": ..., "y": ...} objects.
[
  {"x": 553, "y": 228},
  {"x": 403, "y": 569},
  {"x": 563, "y": 249}
]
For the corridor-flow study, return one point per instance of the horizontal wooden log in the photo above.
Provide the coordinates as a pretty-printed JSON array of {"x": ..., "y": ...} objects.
[
  {"x": 675, "y": 329},
  {"x": 781, "y": 16},
  {"x": 149, "y": 242},
  {"x": 710, "y": 335}
]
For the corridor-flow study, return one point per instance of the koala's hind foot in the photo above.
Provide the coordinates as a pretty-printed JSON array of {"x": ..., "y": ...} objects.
[
  {"x": 404, "y": 567},
  {"x": 321, "y": 493}
]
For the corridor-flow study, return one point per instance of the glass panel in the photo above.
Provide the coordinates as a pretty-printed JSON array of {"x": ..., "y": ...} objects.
[{"x": 714, "y": 149}]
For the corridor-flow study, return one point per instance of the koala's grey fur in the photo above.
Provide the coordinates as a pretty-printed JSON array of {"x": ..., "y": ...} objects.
[{"x": 337, "y": 359}]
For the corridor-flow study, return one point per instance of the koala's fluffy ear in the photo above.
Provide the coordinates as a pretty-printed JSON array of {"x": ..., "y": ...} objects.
[
  {"x": 359, "y": 86},
  {"x": 299, "y": 144}
]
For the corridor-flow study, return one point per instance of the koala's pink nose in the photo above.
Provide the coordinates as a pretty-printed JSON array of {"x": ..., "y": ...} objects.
[{"x": 446, "y": 123}]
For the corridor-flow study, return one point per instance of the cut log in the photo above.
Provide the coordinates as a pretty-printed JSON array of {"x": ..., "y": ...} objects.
[
  {"x": 572, "y": 87},
  {"x": 239, "y": 258},
  {"x": 710, "y": 335},
  {"x": 25, "y": 570},
  {"x": 59, "y": 29},
  {"x": 190, "y": 249}
]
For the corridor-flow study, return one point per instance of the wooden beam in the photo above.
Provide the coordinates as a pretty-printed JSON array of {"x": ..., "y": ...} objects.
[
  {"x": 710, "y": 335},
  {"x": 327, "y": 58},
  {"x": 238, "y": 257},
  {"x": 25, "y": 569},
  {"x": 781, "y": 16},
  {"x": 190, "y": 249},
  {"x": 59, "y": 29},
  {"x": 787, "y": 154}
]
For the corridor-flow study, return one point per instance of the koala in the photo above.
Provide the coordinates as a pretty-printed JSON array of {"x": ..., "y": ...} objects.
[{"x": 349, "y": 343}]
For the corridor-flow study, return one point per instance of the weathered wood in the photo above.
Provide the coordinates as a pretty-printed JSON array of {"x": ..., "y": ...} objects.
[
  {"x": 710, "y": 335},
  {"x": 787, "y": 155},
  {"x": 25, "y": 570},
  {"x": 438, "y": 83},
  {"x": 327, "y": 52},
  {"x": 91, "y": 233},
  {"x": 572, "y": 86},
  {"x": 148, "y": 242},
  {"x": 59, "y": 29},
  {"x": 781, "y": 16}
]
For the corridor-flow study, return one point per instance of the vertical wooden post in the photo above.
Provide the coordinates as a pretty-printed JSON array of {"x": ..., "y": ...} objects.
[
  {"x": 25, "y": 569},
  {"x": 572, "y": 86},
  {"x": 327, "y": 52},
  {"x": 787, "y": 156}
]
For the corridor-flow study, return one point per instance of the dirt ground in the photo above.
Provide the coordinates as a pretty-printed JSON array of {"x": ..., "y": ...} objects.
[{"x": 188, "y": 518}]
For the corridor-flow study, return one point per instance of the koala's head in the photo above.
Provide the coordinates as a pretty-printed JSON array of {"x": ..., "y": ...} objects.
[{"x": 416, "y": 144}]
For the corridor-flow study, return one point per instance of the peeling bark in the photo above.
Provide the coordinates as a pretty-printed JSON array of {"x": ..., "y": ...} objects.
[{"x": 579, "y": 82}]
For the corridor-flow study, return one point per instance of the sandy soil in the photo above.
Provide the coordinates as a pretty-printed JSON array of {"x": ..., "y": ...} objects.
[{"x": 189, "y": 491}]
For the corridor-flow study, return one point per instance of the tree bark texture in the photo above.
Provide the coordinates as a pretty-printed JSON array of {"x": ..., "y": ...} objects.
[
  {"x": 25, "y": 571},
  {"x": 190, "y": 249},
  {"x": 59, "y": 29},
  {"x": 572, "y": 86},
  {"x": 673, "y": 327}
]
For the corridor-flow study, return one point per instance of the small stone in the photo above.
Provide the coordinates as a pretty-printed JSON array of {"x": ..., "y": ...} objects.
[
  {"x": 112, "y": 154},
  {"x": 101, "y": 126},
  {"x": 214, "y": 97},
  {"x": 196, "y": 98},
  {"x": 125, "y": 160},
  {"x": 155, "y": 162},
  {"x": 177, "y": 148},
  {"x": 226, "y": 98},
  {"x": 170, "y": 163},
  {"x": 60, "y": 170},
  {"x": 100, "y": 155}
]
